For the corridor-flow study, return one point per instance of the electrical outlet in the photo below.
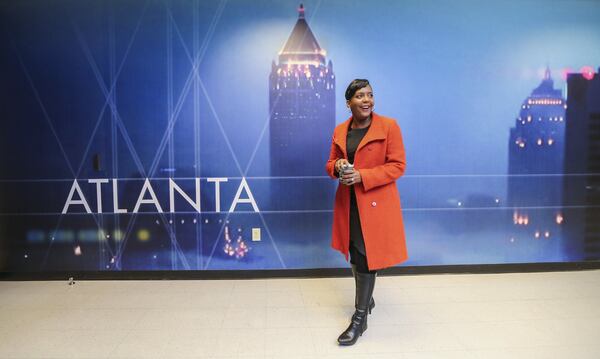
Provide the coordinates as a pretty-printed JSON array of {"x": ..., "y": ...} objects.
[{"x": 255, "y": 234}]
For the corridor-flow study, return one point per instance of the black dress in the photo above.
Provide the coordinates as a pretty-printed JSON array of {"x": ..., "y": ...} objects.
[{"x": 357, "y": 243}]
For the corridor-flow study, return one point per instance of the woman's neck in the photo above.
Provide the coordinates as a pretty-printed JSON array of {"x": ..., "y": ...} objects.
[{"x": 360, "y": 123}]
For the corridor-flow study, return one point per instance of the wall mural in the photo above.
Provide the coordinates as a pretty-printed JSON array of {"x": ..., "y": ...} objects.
[{"x": 193, "y": 135}]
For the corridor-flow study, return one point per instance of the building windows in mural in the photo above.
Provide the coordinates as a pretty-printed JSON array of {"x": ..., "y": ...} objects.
[{"x": 535, "y": 179}]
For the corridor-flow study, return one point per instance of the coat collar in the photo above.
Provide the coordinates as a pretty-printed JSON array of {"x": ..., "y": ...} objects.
[{"x": 375, "y": 132}]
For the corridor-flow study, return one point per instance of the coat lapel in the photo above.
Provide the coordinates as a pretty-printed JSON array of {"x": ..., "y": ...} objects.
[
  {"x": 375, "y": 132},
  {"x": 340, "y": 136}
]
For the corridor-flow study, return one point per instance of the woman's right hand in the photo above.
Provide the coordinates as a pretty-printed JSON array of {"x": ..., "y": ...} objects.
[{"x": 339, "y": 163}]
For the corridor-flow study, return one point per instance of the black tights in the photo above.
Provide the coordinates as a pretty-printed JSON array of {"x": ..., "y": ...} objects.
[{"x": 360, "y": 261}]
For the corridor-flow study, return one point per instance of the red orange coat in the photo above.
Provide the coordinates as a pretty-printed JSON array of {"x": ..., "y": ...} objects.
[{"x": 380, "y": 159}]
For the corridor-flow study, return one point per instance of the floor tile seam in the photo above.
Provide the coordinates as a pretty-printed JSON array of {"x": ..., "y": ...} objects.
[
  {"x": 285, "y": 307},
  {"x": 419, "y": 350},
  {"x": 116, "y": 345},
  {"x": 479, "y": 300},
  {"x": 312, "y": 340},
  {"x": 299, "y": 307},
  {"x": 106, "y": 355},
  {"x": 255, "y": 327},
  {"x": 291, "y": 291},
  {"x": 490, "y": 286},
  {"x": 495, "y": 347},
  {"x": 534, "y": 346},
  {"x": 506, "y": 321},
  {"x": 477, "y": 321},
  {"x": 539, "y": 334},
  {"x": 112, "y": 353}
]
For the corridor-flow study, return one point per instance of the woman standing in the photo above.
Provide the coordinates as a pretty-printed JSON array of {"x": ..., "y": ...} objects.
[{"x": 367, "y": 218}]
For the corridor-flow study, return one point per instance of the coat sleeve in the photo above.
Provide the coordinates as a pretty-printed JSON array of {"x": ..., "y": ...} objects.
[
  {"x": 394, "y": 166},
  {"x": 334, "y": 155}
]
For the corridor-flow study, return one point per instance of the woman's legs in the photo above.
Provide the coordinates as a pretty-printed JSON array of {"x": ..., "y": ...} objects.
[
  {"x": 365, "y": 284},
  {"x": 358, "y": 262}
]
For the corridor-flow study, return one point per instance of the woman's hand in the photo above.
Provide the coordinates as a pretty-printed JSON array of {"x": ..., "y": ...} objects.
[
  {"x": 350, "y": 178},
  {"x": 338, "y": 165}
]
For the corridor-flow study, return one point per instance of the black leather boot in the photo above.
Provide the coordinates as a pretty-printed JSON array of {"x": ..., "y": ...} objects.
[
  {"x": 372, "y": 302},
  {"x": 365, "y": 283}
]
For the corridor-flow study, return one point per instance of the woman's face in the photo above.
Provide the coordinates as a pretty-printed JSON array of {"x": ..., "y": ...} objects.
[{"x": 361, "y": 104}]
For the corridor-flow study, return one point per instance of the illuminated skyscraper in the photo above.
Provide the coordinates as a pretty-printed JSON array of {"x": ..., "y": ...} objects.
[
  {"x": 301, "y": 104},
  {"x": 582, "y": 167},
  {"x": 535, "y": 166},
  {"x": 302, "y": 110}
]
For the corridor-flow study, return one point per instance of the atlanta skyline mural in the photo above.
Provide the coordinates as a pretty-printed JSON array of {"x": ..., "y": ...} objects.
[{"x": 194, "y": 136}]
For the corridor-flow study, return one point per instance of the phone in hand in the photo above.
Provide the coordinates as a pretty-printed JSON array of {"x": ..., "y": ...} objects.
[{"x": 346, "y": 167}]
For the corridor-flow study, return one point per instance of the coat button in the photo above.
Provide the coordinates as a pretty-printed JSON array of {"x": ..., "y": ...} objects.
[{"x": 373, "y": 204}]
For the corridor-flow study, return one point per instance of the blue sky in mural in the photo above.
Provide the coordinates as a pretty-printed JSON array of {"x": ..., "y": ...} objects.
[{"x": 451, "y": 73}]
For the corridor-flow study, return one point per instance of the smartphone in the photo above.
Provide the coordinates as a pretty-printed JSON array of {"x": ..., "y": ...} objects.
[{"x": 346, "y": 167}]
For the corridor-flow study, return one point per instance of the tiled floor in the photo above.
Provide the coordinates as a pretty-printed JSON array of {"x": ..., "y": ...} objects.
[{"x": 538, "y": 315}]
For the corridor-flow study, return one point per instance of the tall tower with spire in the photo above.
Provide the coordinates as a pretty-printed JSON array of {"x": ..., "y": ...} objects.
[
  {"x": 301, "y": 104},
  {"x": 535, "y": 164}
]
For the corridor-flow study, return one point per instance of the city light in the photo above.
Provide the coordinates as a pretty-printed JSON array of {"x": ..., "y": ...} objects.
[
  {"x": 237, "y": 249},
  {"x": 545, "y": 102},
  {"x": 519, "y": 219},
  {"x": 559, "y": 218},
  {"x": 587, "y": 72},
  {"x": 143, "y": 235}
]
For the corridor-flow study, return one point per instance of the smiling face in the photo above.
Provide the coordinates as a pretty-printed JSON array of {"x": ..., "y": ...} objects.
[{"x": 361, "y": 103}]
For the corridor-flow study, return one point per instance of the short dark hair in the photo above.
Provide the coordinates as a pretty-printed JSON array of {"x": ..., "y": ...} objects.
[{"x": 354, "y": 86}]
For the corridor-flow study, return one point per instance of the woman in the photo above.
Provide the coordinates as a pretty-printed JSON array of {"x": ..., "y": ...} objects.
[{"x": 367, "y": 218}]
